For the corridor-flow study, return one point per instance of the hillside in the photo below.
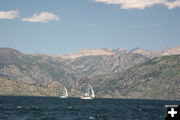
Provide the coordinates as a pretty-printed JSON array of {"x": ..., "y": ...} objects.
[
  {"x": 35, "y": 69},
  {"x": 50, "y": 88},
  {"x": 138, "y": 73},
  {"x": 99, "y": 65},
  {"x": 158, "y": 78}
]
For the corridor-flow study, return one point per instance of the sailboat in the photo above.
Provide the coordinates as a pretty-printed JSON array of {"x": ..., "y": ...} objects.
[
  {"x": 89, "y": 94},
  {"x": 65, "y": 93}
]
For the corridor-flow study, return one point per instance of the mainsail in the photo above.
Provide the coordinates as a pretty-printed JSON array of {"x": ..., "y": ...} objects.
[
  {"x": 90, "y": 93},
  {"x": 65, "y": 93}
]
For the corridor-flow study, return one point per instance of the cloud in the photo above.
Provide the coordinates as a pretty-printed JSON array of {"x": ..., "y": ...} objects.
[
  {"x": 43, "y": 17},
  {"x": 9, "y": 14},
  {"x": 141, "y": 4},
  {"x": 92, "y": 25}
]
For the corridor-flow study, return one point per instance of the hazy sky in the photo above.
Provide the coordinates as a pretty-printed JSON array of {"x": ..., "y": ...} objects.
[{"x": 66, "y": 26}]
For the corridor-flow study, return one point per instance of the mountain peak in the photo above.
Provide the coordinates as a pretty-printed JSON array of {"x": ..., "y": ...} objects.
[
  {"x": 109, "y": 52},
  {"x": 93, "y": 52},
  {"x": 8, "y": 51},
  {"x": 120, "y": 50},
  {"x": 137, "y": 49},
  {"x": 171, "y": 51},
  {"x": 9, "y": 55},
  {"x": 97, "y": 51},
  {"x": 88, "y": 52},
  {"x": 144, "y": 52}
]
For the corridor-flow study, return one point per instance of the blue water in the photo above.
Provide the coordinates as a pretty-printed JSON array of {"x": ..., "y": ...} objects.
[{"x": 52, "y": 108}]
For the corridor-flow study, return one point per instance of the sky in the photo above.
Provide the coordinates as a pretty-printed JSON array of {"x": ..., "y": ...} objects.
[{"x": 68, "y": 26}]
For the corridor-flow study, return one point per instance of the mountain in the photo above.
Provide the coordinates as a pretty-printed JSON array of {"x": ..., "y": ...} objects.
[
  {"x": 35, "y": 69},
  {"x": 152, "y": 54},
  {"x": 171, "y": 51},
  {"x": 11, "y": 87},
  {"x": 91, "y": 52},
  {"x": 116, "y": 73},
  {"x": 144, "y": 52},
  {"x": 100, "y": 61},
  {"x": 158, "y": 78},
  {"x": 10, "y": 56},
  {"x": 98, "y": 65},
  {"x": 50, "y": 88}
]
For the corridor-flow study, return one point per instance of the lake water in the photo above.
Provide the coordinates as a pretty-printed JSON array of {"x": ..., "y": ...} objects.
[{"x": 53, "y": 108}]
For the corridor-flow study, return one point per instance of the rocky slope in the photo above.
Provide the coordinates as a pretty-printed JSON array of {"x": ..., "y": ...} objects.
[
  {"x": 35, "y": 69},
  {"x": 91, "y": 52},
  {"x": 171, "y": 51},
  {"x": 99, "y": 65},
  {"x": 111, "y": 52},
  {"x": 117, "y": 73},
  {"x": 144, "y": 52},
  {"x": 158, "y": 78},
  {"x": 50, "y": 88}
]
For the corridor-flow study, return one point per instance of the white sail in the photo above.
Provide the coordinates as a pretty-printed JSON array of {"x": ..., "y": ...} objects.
[
  {"x": 90, "y": 93},
  {"x": 65, "y": 93},
  {"x": 86, "y": 94}
]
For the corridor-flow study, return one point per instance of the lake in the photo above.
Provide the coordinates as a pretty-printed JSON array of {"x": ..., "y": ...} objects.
[{"x": 53, "y": 108}]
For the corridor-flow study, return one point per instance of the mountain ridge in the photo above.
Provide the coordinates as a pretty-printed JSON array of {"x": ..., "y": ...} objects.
[
  {"x": 109, "y": 52},
  {"x": 104, "y": 72}
]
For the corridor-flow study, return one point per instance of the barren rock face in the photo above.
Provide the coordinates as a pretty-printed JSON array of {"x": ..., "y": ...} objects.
[
  {"x": 171, "y": 51},
  {"x": 99, "y": 65},
  {"x": 92, "y": 52}
]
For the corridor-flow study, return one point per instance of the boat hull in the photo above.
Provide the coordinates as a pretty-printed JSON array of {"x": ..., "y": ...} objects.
[
  {"x": 63, "y": 97},
  {"x": 86, "y": 98}
]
